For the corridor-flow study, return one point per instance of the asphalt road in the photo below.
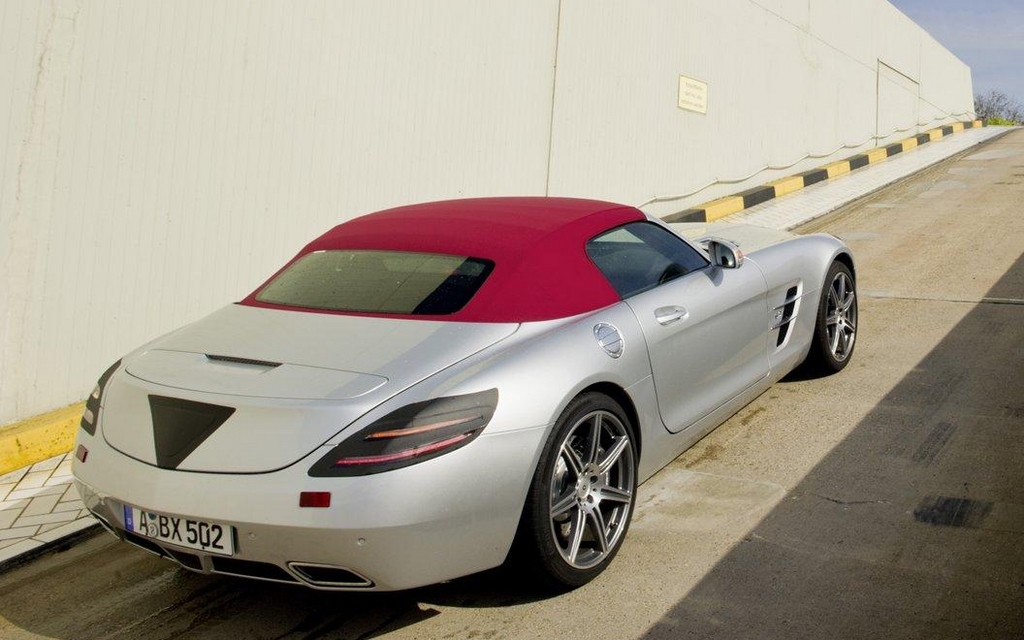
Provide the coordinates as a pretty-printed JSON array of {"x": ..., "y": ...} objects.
[{"x": 884, "y": 502}]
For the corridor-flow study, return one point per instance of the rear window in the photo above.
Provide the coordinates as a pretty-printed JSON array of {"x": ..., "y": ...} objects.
[{"x": 379, "y": 282}]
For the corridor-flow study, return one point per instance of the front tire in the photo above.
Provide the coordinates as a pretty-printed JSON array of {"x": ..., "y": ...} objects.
[
  {"x": 581, "y": 499},
  {"x": 835, "y": 331}
]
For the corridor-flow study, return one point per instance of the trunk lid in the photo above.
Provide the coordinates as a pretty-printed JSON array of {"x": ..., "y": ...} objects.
[{"x": 293, "y": 379}]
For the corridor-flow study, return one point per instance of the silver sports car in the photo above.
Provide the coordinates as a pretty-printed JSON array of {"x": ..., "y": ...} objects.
[{"x": 423, "y": 391}]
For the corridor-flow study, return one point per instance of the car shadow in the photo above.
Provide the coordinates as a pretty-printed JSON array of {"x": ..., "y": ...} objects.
[
  {"x": 803, "y": 373},
  {"x": 102, "y": 588},
  {"x": 911, "y": 526}
]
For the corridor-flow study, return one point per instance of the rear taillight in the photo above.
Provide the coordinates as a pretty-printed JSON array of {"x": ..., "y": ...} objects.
[
  {"x": 91, "y": 415},
  {"x": 410, "y": 435}
]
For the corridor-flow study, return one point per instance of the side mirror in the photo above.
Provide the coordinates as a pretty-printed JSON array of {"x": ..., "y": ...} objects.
[{"x": 724, "y": 254}]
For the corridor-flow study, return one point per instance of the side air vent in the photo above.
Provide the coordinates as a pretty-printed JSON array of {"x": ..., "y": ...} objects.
[
  {"x": 249, "y": 361},
  {"x": 180, "y": 426},
  {"x": 784, "y": 314}
]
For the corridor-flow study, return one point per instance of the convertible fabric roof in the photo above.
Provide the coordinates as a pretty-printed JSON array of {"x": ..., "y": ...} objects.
[{"x": 538, "y": 246}]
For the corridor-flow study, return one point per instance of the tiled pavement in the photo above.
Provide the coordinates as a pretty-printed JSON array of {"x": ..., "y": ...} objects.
[{"x": 38, "y": 506}]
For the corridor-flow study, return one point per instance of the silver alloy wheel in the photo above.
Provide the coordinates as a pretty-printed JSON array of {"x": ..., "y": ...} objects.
[
  {"x": 841, "y": 317},
  {"x": 592, "y": 489}
]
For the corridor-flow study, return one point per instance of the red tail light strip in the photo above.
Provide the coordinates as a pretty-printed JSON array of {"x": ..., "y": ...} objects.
[
  {"x": 433, "y": 426},
  {"x": 402, "y": 455}
]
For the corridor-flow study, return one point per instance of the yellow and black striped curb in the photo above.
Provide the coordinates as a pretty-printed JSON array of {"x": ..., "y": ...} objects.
[
  {"x": 717, "y": 209},
  {"x": 30, "y": 441}
]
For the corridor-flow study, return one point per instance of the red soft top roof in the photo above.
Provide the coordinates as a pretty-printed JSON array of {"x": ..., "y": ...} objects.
[{"x": 538, "y": 246}]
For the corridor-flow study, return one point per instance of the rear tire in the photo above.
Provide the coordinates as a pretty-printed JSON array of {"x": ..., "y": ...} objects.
[
  {"x": 835, "y": 331},
  {"x": 581, "y": 499}
]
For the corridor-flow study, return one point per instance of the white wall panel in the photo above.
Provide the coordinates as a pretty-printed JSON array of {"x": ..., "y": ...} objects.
[
  {"x": 796, "y": 12},
  {"x": 160, "y": 158},
  {"x": 856, "y": 30},
  {"x": 898, "y": 102}
]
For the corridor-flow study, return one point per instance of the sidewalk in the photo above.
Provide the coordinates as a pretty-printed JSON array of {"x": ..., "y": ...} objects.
[{"x": 40, "y": 509}]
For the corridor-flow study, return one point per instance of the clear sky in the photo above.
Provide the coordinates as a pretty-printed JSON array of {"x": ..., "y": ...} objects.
[{"x": 988, "y": 35}]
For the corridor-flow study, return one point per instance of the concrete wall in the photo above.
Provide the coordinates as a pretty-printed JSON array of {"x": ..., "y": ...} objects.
[
  {"x": 159, "y": 159},
  {"x": 787, "y": 78}
]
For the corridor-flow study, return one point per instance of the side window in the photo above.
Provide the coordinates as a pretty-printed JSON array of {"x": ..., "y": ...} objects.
[{"x": 641, "y": 255}]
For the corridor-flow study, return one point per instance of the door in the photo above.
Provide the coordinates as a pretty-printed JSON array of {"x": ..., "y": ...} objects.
[{"x": 706, "y": 327}]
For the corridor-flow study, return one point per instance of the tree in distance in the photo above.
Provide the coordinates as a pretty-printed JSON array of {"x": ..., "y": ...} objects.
[{"x": 997, "y": 108}]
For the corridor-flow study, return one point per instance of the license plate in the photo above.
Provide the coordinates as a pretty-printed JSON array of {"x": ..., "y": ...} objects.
[{"x": 211, "y": 537}]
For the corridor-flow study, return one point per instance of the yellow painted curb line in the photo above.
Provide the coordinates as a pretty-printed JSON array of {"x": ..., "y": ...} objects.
[
  {"x": 876, "y": 155},
  {"x": 837, "y": 168},
  {"x": 729, "y": 205},
  {"x": 723, "y": 207},
  {"x": 787, "y": 185},
  {"x": 44, "y": 436}
]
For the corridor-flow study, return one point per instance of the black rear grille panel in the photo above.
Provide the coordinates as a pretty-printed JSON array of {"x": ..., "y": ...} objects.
[
  {"x": 145, "y": 543},
  {"x": 180, "y": 426},
  {"x": 190, "y": 560}
]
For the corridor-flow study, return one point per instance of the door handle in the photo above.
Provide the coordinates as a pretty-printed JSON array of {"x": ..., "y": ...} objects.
[{"x": 668, "y": 315}]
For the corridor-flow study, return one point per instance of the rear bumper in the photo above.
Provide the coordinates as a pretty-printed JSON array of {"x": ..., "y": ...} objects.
[{"x": 441, "y": 519}]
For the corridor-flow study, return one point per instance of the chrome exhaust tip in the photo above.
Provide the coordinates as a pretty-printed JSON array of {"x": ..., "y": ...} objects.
[{"x": 329, "y": 576}]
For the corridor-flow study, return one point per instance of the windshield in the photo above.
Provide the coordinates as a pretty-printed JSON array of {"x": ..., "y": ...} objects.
[{"x": 378, "y": 282}]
